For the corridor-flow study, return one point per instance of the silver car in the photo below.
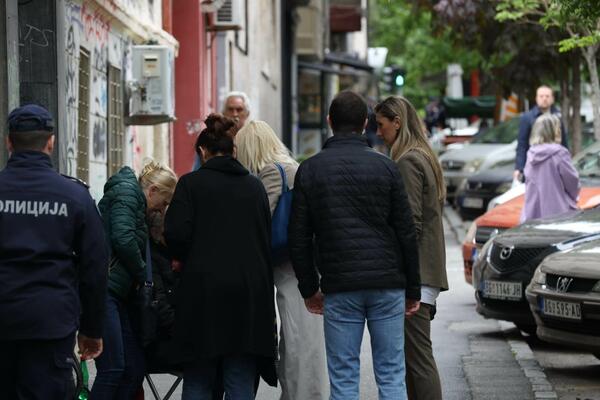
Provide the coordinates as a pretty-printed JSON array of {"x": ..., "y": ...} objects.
[
  {"x": 495, "y": 146},
  {"x": 564, "y": 296}
]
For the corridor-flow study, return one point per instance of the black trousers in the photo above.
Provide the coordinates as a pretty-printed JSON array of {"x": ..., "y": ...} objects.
[{"x": 37, "y": 369}]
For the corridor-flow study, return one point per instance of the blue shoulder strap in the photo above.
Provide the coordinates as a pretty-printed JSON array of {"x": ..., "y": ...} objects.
[{"x": 284, "y": 185}]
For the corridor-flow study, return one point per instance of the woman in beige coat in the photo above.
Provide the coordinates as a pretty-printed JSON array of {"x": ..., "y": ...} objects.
[
  {"x": 302, "y": 366},
  {"x": 402, "y": 130}
]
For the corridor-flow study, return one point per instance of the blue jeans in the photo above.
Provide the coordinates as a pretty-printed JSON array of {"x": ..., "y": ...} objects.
[
  {"x": 121, "y": 365},
  {"x": 239, "y": 375},
  {"x": 344, "y": 318}
]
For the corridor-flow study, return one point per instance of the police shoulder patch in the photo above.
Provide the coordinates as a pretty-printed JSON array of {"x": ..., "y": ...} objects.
[{"x": 77, "y": 180}]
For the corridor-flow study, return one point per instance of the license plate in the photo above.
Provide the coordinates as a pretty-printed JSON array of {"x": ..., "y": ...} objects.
[
  {"x": 472, "y": 202},
  {"x": 502, "y": 290},
  {"x": 562, "y": 309}
]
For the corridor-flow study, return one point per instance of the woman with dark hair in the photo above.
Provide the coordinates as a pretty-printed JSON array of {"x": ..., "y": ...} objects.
[
  {"x": 403, "y": 131},
  {"x": 218, "y": 225}
]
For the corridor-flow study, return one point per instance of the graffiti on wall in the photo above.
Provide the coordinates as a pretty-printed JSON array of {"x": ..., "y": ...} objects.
[
  {"x": 72, "y": 37},
  {"x": 95, "y": 25},
  {"x": 99, "y": 140},
  {"x": 89, "y": 27}
]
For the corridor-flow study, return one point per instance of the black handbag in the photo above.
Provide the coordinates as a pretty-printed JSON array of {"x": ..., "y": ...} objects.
[{"x": 144, "y": 315}]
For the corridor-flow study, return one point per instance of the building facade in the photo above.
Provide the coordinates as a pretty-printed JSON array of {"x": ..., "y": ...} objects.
[{"x": 75, "y": 58}]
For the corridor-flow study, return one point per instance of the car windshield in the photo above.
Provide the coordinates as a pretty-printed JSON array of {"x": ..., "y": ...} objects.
[
  {"x": 503, "y": 133},
  {"x": 589, "y": 164}
]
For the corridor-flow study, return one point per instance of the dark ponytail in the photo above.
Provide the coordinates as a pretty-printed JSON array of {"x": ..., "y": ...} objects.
[{"x": 218, "y": 135}]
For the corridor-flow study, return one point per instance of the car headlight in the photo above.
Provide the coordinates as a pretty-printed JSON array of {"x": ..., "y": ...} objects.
[
  {"x": 596, "y": 287},
  {"x": 539, "y": 277},
  {"x": 504, "y": 187},
  {"x": 473, "y": 165}
]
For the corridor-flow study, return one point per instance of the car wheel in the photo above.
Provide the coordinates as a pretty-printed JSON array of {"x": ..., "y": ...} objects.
[{"x": 528, "y": 329}]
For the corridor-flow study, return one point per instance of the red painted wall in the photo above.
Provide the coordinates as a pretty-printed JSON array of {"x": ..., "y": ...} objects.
[{"x": 195, "y": 78}]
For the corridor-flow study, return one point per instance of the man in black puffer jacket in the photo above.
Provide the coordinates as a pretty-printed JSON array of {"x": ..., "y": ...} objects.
[{"x": 351, "y": 217}]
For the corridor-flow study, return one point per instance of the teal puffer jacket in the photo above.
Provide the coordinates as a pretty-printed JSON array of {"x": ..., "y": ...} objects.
[{"x": 123, "y": 209}]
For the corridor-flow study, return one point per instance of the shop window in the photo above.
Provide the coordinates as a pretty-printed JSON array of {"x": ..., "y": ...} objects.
[
  {"x": 116, "y": 128},
  {"x": 309, "y": 98},
  {"x": 83, "y": 138}
]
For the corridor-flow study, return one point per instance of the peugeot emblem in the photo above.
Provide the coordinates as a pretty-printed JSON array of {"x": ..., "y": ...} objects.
[
  {"x": 562, "y": 284},
  {"x": 505, "y": 253}
]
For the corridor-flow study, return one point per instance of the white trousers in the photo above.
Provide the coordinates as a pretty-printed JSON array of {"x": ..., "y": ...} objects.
[{"x": 302, "y": 365}]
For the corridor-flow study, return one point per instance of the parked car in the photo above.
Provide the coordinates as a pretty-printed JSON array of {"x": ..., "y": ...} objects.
[
  {"x": 474, "y": 195},
  {"x": 508, "y": 215},
  {"x": 508, "y": 262},
  {"x": 564, "y": 296},
  {"x": 477, "y": 192},
  {"x": 495, "y": 145}
]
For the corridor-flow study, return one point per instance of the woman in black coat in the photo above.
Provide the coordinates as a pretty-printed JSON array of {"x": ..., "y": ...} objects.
[{"x": 219, "y": 226}]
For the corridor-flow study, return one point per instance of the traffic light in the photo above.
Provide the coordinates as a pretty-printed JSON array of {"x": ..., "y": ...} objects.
[{"x": 394, "y": 78}]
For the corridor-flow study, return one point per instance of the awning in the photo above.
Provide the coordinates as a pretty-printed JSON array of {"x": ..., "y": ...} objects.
[
  {"x": 329, "y": 69},
  {"x": 341, "y": 59},
  {"x": 465, "y": 107}
]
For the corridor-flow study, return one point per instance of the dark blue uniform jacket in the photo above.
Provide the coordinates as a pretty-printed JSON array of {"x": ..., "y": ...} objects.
[
  {"x": 525, "y": 124},
  {"x": 52, "y": 253}
]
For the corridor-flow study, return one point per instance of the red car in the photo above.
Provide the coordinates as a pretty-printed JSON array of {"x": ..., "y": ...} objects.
[{"x": 507, "y": 216}]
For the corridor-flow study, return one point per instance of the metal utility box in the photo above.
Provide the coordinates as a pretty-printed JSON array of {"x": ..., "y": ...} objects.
[{"x": 152, "y": 88}]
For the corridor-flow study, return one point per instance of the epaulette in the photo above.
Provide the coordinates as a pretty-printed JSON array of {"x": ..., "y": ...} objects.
[{"x": 77, "y": 180}]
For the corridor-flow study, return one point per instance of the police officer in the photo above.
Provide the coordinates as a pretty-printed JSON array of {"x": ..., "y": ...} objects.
[{"x": 53, "y": 266}]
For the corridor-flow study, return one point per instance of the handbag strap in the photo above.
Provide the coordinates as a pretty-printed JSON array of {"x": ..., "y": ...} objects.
[
  {"x": 148, "y": 263},
  {"x": 284, "y": 185}
]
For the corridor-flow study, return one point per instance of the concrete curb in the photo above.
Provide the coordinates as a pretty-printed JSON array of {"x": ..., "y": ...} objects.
[
  {"x": 455, "y": 223},
  {"x": 540, "y": 385}
]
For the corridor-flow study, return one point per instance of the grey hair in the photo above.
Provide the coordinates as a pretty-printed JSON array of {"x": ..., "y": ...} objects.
[
  {"x": 242, "y": 96},
  {"x": 546, "y": 129}
]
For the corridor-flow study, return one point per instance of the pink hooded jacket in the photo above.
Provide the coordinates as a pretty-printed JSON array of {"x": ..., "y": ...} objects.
[{"x": 551, "y": 182}]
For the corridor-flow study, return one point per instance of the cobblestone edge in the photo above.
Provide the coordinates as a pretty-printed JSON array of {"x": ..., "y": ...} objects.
[{"x": 540, "y": 385}]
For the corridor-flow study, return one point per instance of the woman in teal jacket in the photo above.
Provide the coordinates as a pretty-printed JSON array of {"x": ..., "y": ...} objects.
[{"x": 127, "y": 202}]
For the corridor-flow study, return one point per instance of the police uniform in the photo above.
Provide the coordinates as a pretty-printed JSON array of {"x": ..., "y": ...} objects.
[{"x": 53, "y": 269}]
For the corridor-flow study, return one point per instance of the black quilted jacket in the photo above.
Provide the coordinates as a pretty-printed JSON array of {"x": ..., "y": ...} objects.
[{"x": 351, "y": 222}]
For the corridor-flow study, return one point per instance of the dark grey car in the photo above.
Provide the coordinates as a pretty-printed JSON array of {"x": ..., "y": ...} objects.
[
  {"x": 564, "y": 296},
  {"x": 507, "y": 262}
]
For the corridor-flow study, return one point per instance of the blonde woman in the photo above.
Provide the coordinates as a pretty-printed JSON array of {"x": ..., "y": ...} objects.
[
  {"x": 551, "y": 181},
  {"x": 402, "y": 130},
  {"x": 125, "y": 206},
  {"x": 302, "y": 367}
]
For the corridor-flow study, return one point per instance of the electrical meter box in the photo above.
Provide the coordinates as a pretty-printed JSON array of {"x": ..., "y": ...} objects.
[{"x": 152, "y": 88}]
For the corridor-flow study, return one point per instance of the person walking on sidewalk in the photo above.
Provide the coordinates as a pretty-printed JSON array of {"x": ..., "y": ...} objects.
[
  {"x": 302, "y": 368},
  {"x": 126, "y": 204},
  {"x": 218, "y": 226},
  {"x": 551, "y": 181},
  {"x": 53, "y": 260},
  {"x": 402, "y": 130},
  {"x": 351, "y": 226},
  {"x": 544, "y": 99}
]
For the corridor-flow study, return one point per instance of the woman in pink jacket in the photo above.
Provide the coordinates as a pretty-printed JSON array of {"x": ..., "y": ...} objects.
[{"x": 551, "y": 181}]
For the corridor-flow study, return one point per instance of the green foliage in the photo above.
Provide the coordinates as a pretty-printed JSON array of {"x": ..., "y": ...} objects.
[
  {"x": 579, "y": 42},
  {"x": 514, "y": 10},
  {"x": 413, "y": 44},
  {"x": 586, "y": 11},
  {"x": 580, "y": 18}
]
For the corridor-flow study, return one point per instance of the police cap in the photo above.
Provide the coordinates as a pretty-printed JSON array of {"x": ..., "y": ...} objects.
[{"x": 30, "y": 117}]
